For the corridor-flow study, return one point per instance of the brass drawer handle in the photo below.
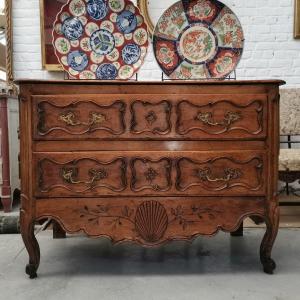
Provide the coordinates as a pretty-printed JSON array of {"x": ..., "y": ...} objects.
[
  {"x": 71, "y": 119},
  {"x": 69, "y": 175},
  {"x": 229, "y": 118},
  {"x": 229, "y": 174}
]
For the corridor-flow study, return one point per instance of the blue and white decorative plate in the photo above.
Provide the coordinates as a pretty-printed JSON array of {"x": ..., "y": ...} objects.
[{"x": 100, "y": 39}]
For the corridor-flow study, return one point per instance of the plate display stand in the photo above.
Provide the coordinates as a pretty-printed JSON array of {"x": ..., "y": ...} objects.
[
  {"x": 231, "y": 76},
  {"x": 68, "y": 77}
]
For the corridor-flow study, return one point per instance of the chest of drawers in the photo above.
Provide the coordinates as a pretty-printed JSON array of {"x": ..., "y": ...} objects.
[{"x": 149, "y": 162}]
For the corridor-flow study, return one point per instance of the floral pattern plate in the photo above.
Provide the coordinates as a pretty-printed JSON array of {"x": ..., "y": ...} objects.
[
  {"x": 100, "y": 39},
  {"x": 198, "y": 39}
]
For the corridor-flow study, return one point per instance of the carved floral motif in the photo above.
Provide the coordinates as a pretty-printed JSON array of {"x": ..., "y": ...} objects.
[
  {"x": 150, "y": 117},
  {"x": 186, "y": 217},
  {"x": 150, "y": 219},
  {"x": 96, "y": 215},
  {"x": 151, "y": 174}
]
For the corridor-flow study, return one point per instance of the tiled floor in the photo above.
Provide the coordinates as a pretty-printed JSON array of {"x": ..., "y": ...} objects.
[{"x": 218, "y": 268}]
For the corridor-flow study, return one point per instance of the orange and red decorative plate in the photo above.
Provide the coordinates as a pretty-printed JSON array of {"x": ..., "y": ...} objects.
[
  {"x": 199, "y": 39},
  {"x": 100, "y": 39}
]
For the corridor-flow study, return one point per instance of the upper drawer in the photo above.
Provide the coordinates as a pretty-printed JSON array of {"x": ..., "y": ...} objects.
[{"x": 174, "y": 117}]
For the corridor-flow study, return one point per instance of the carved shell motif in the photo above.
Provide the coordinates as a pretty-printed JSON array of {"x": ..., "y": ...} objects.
[{"x": 151, "y": 221}]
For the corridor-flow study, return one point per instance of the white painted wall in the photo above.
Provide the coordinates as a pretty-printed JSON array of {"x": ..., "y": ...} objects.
[{"x": 270, "y": 50}]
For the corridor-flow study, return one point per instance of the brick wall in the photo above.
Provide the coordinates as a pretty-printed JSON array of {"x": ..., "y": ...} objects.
[{"x": 270, "y": 50}]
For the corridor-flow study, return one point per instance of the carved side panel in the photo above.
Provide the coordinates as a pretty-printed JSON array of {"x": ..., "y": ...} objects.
[
  {"x": 81, "y": 176},
  {"x": 150, "y": 174},
  {"x": 219, "y": 174},
  {"x": 223, "y": 117},
  {"x": 150, "y": 221},
  {"x": 80, "y": 119},
  {"x": 154, "y": 118}
]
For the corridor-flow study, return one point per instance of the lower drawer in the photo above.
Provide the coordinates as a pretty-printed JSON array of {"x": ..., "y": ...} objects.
[
  {"x": 94, "y": 174},
  {"x": 149, "y": 221}
]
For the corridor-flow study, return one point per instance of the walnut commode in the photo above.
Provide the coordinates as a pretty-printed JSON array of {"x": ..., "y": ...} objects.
[{"x": 149, "y": 162}]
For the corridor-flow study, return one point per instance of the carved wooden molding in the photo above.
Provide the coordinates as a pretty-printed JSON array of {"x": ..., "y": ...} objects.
[
  {"x": 159, "y": 181},
  {"x": 211, "y": 126},
  {"x": 150, "y": 219},
  {"x": 69, "y": 118},
  {"x": 69, "y": 175},
  {"x": 151, "y": 118},
  {"x": 153, "y": 222},
  {"x": 203, "y": 174}
]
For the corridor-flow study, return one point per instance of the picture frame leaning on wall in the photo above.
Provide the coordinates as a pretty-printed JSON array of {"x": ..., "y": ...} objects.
[
  {"x": 297, "y": 20},
  {"x": 48, "y": 11},
  {"x": 143, "y": 6}
]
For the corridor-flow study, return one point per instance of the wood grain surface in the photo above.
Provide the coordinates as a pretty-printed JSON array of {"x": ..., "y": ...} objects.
[{"x": 149, "y": 162}]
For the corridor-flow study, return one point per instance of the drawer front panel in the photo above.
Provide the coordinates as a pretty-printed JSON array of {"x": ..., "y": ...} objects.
[
  {"x": 97, "y": 174},
  {"x": 151, "y": 118},
  {"x": 150, "y": 221},
  {"x": 82, "y": 175},
  {"x": 221, "y": 118},
  {"x": 78, "y": 119},
  {"x": 219, "y": 173},
  {"x": 162, "y": 117}
]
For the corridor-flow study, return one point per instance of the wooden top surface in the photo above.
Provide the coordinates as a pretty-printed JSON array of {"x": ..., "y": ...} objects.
[{"x": 169, "y": 82}]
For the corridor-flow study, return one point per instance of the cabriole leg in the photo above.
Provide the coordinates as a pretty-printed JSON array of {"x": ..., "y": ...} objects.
[
  {"x": 272, "y": 222},
  {"x": 31, "y": 244}
]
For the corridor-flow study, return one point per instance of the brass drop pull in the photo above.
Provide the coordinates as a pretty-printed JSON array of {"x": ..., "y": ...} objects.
[
  {"x": 229, "y": 174},
  {"x": 71, "y": 119},
  {"x": 229, "y": 118},
  {"x": 70, "y": 175}
]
